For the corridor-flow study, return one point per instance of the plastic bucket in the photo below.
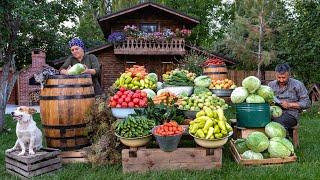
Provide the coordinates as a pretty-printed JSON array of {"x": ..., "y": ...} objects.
[
  {"x": 167, "y": 143},
  {"x": 254, "y": 115}
]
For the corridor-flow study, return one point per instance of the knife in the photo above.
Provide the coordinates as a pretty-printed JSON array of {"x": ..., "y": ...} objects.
[{"x": 276, "y": 100}]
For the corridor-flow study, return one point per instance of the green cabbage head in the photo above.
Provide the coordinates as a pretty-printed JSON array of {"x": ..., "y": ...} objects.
[
  {"x": 276, "y": 111},
  {"x": 274, "y": 129},
  {"x": 251, "y": 155},
  {"x": 266, "y": 92},
  {"x": 239, "y": 95},
  {"x": 241, "y": 146},
  {"x": 257, "y": 141},
  {"x": 76, "y": 69},
  {"x": 251, "y": 83},
  {"x": 252, "y": 98},
  {"x": 202, "y": 81},
  {"x": 280, "y": 147}
]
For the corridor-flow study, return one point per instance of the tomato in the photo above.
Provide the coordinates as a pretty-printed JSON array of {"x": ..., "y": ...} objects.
[
  {"x": 124, "y": 96},
  {"x": 136, "y": 105},
  {"x": 143, "y": 94},
  {"x": 113, "y": 104},
  {"x": 126, "y": 92},
  {"x": 131, "y": 104},
  {"x": 128, "y": 99},
  {"x": 136, "y": 101},
  {"x": 124, "y": 105},
  {"x": 135, "y": 95},
  {"x": 122, "y": 89},
  {"x": 120, "y": 101},
  {"x": 142, "y": 103},
  {"x": 145, "y": 99},
  {"x": 138, "y": 91},
  {"x": 119, "y": 93},
  {"x": 115, "y": 97},
  {"x": 118, "y": 106}
]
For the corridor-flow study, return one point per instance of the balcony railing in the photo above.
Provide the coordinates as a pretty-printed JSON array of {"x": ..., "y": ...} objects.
[{"x": 142, "y": 47}]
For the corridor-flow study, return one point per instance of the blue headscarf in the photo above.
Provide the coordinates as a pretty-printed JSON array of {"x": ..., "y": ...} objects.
[{"x": 76, "y": 42}]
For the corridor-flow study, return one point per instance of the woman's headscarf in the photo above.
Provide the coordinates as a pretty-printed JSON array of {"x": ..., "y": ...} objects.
[{"x": 76, "y": 42}]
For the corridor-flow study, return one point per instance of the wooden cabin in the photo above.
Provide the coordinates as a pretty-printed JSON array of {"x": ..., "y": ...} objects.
[{"x": 158, "y": 57}]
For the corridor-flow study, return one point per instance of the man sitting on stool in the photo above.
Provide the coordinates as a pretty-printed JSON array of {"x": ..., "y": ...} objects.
[{"x": 292, "y": 96}]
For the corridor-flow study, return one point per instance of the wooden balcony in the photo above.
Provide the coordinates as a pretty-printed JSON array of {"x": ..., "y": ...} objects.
[{"x": 143, "y": 47}]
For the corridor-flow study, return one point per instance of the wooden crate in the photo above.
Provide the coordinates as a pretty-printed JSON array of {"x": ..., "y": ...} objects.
[
  {"x": 76, "y": 156},
  {"x": 44, "y": 161},
  {"x": 249, "y": 162},
  {"x": 143, "y": 159},
  {"x": 240, "y": 132}
]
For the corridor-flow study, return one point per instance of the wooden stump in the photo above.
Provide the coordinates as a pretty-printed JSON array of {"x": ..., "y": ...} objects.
[
  {"x": 44, "y": 161},
  {"x": 142, "y": 159}
]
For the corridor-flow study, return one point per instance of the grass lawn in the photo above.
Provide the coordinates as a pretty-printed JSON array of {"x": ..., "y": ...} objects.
[{"x": 305, "y": 168}]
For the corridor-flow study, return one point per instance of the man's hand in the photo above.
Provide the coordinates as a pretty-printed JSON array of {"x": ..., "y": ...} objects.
[{"x": 285, "y": 104}]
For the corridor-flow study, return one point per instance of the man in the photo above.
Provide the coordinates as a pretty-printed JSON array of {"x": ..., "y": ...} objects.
[{"x": 292, "y": 96}]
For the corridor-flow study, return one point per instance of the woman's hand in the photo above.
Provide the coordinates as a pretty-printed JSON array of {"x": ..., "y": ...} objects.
[{"x": 65, "y": 71}]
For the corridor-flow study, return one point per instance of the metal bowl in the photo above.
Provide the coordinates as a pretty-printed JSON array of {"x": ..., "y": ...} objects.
[
  {"x": 211, "y": 143},
  {"x": 190, "y": 114},
  {"x": 178, "y": 90},
  {"x": 122, "y": 113},
  {"x": 135, "y": 142},
  {"x": 222, "y": 92}
]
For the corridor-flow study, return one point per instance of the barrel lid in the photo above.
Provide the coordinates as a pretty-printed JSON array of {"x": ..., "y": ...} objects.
[
  {"x": 212, "y": 66},
  {"x": 69, "y": 76}
]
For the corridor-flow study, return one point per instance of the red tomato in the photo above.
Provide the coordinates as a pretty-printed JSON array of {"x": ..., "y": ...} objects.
[
  {"x": 115, "y": 97},
  {"x": 113, "y": 104},
  {"x": 145, "y": 99},
  {"x": 128, "y": 99},
  {"x": 131, "y": 104},
  {"x": 136, "y": 105},
  {"x": 123, "y": 96},
  {"x": 122, "y": 89},
  {"x": 135, "y": 95},
  {"x": 118, "y": 105},
  {"x": 119, "y": 93},
  {"x": 126, "y": 92},
  {"x": 143, "y": 94},
  {"x": 142, "y": 103},
  {"x": 120, "y": 101},
  {"x": 124, "y": 105},
  {"x": 136, "y": 101},
  {"x": 138, "y": 91}
]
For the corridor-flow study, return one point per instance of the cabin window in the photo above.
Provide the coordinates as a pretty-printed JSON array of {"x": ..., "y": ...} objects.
[{"x": 148, "y": 27}]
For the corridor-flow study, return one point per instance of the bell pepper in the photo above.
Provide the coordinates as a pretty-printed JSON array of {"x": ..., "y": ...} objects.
[
  {"x": 210, "y": 132},
  {"x": 222, "y": 125},
  {"x": 200, "y": 113},
  {"x": 209, "y": 123},
  {"x": 209, "y": 112},
  {"x": 216, "y": 129},
  {"x": 220, "y": 114},
  {"x": 200, "y": 133}
]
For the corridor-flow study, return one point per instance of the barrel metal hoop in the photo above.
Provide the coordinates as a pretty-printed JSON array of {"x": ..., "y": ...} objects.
[
  {"x": 207, "y": 73},
  {"x": 67, "y": 85},
  {"x": 65, "y": 127},
  {"x": 65, "y": 138},
  {"x": 85, "y": 96},
  {"x": 73, "y": 147},
  {"x": 69, "y": 76}
]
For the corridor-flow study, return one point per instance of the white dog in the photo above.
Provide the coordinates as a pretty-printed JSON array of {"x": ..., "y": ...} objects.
[{"x": 27, "y": 131}]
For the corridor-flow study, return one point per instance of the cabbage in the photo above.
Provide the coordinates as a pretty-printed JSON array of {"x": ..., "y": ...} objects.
[
  {"x": 76, "y": 69},
  {"x": 280, "y": 147},
  {"x": 265, "y": 154},
  {"x": 200, "y": 90},
  {"x": 202, "y": 81},
  {"x": 159, "y": 86},
  {"x": 255, "y": 99},
  {"x": 239, "y": 94},
  {"x": 251, "y": 83},
  {"x": 153, "y": 77},
  {"x": 257, "y": 142},
  {"x": 150, "y": 93},
  {"x": 276, "y": 111},
  {"x": 241, "y": 145},
  {"x": 251, "y": 155},
  {"x": 266, "y": 92},
  {"x": 274, "y": 129}
]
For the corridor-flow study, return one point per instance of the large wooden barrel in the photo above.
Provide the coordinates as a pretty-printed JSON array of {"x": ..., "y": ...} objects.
[
  {"x": 64, "y": 101},
  {"x": 216, "y": 72}
]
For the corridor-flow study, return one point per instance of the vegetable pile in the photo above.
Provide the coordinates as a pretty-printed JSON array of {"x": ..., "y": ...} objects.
[
  {"x": 210, "y": 124},
  {"x": 127, "y": 98},
  {"x": 165, "y": 97},
  {"x": 136, "y": 78},
  {"x": 168, "y": 129},
  {"x": 222, "y": 84},
  {"x": 178, "y": 78},
  {"x": 213, "y": 61},
  {"x": 258, "y": 146},
  {"x": 134, "y": 126},
  {"x": 198, "y": 102}
]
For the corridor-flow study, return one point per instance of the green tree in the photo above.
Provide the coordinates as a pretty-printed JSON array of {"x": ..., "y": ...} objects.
[{"x": 26, "y": 25}]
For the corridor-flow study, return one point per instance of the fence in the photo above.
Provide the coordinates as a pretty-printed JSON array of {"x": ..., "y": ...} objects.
[{"x": 238, "y": 76}]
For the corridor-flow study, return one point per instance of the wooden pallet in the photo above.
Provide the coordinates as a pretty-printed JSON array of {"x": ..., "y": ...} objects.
[
  {"x": 76, "y": 156},
  {"x": 44, "y": 161},
  {"x": 143, "y": 159},
  {"x": 248, "y": 162}
]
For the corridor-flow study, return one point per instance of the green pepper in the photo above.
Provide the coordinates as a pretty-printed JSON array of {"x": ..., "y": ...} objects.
[
  {"x": 222, "y": 125},
  {"x": 209, "y": 123},
  {"x": 200, "y": 133},
  {"x": 210, "y": 132}
]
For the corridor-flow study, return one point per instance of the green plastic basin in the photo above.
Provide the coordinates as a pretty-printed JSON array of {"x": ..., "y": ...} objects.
[{"x": 254, "y": 115}]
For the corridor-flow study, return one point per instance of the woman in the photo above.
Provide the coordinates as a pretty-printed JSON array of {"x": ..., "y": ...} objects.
[{"x": 89, "y": 60}]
